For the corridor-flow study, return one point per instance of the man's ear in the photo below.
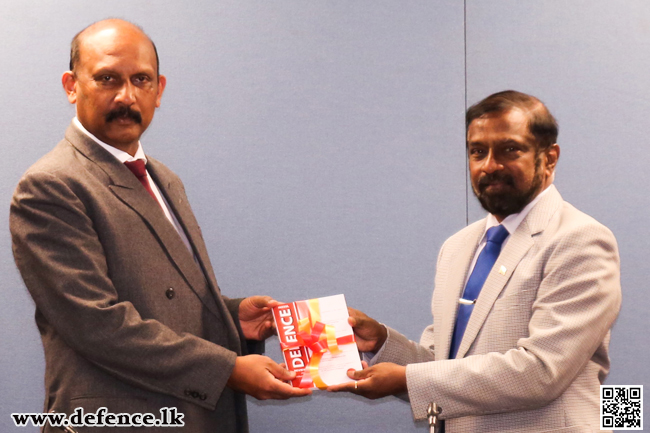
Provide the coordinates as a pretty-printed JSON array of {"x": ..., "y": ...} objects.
[
  {"x": 162, "y": 82},
  {"x": 552, "y": 156},
  {"x": 70, "y": 86}
]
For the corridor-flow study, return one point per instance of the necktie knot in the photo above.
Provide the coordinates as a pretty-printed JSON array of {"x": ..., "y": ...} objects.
[
  {"x": 497, "y": 234},
  {"x": 137, "y": 167}
]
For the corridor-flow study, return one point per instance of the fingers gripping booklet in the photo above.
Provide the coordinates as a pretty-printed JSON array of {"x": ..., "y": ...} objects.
[{"x": 317, "y": 341}]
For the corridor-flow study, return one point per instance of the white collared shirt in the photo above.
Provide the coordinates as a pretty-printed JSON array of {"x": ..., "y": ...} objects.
[
  {"x": 511, "y": 223},
  {"x": 139, "y": 154}
]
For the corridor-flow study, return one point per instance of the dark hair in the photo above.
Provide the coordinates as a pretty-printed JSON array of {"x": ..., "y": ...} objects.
[
  {"x": 74, "y": 46},
  {"x": 541, "y": 123}
]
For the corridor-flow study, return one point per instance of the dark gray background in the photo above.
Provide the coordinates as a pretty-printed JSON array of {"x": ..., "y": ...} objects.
[{"x": 322, "y": 147}]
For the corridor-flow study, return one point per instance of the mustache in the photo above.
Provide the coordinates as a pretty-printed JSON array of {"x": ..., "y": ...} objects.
[
  {"x": 121, "y": 112},
  {"x": 489, "y": 178}
]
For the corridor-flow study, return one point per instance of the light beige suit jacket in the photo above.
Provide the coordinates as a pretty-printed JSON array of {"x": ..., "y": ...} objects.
[{"x": 536, "y": 346}]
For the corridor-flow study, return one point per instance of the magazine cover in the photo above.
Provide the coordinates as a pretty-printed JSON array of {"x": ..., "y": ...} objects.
[{"x": 317, "y": 341}]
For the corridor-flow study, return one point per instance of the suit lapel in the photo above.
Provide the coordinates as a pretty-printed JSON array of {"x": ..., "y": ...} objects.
[
  {"x": 454, "y": 287},
  {"x": 514, "y": 251},
  {"x": 168, "y": 238},
  {"x": 181, "y": 208},
  {"x": 129, "y": 190}
]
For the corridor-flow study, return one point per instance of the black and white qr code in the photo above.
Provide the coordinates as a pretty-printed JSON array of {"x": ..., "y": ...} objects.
[{"x": 621, "y": 407}]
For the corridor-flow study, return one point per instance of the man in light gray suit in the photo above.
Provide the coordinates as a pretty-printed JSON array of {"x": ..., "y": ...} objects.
[
  {"x": 127, "y": 304},
  {"x": 528, "y": 350}
]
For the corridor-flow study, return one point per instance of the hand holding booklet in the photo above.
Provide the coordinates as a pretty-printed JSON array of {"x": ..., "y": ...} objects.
[{"x": 317, "y": 341}]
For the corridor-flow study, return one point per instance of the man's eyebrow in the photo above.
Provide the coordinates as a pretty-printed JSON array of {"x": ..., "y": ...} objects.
[
  {"x": 512, "y": 141},
  {"x": 103, "y": 70}
]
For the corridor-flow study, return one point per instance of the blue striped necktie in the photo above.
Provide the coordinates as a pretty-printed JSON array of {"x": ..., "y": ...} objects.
[{"x": 495, "y": 237}]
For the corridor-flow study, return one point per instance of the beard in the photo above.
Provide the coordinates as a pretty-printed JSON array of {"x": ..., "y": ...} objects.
[{"x": 510, "y": 201}]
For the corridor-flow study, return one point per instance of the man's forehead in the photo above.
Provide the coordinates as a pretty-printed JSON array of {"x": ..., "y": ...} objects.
[
  {"x": 109, "y": 37},
  {"x": 112, "y": 26},
  {"x": 93, "y": 36},
  {"x": 511, "y": 121}
]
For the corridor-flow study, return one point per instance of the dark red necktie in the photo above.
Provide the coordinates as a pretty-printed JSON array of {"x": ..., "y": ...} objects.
[{"x": 137, "y": 167}]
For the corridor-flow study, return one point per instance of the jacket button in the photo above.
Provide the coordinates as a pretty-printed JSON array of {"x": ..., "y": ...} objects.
[
  {"x": 204, "y": 396},
  {"x": 170, "y": 293}
]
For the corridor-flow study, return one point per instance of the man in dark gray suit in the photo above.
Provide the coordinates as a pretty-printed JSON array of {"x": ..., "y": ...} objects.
[{"x": 127, "y": 304}]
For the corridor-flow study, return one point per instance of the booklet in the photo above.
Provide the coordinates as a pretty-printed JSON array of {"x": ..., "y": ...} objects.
[{"x": 317, "y": 341}]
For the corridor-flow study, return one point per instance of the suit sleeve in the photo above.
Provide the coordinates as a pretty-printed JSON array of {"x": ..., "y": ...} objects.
[
  {"x": 577, "y": 302},
  {"x": 63, "y": 264}
]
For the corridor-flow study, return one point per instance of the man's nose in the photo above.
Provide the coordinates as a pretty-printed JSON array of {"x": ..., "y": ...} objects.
[
  {"x": 491, "y": 163},
  {"x": 126, "y": 94}
]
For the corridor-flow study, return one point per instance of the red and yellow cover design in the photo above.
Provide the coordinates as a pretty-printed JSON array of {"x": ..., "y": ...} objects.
[{"x": 317, "y": 341}]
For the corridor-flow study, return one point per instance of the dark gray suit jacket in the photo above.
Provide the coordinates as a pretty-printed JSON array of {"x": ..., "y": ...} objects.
[{"x": 128, "y": 319}]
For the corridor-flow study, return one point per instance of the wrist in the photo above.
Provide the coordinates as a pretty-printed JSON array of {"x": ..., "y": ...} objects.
[
  {"x": 232, "y": 380},
  {"x": 403, "y": 379},
  {"x": 381, "y": 340}
]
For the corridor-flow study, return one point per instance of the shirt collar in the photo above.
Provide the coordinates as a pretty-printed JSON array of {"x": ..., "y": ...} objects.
[
  {"x": 512, "y": 222},
  {"x": 117, "y": 153}
]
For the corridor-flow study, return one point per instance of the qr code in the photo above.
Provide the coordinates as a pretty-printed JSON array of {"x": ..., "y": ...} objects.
[{"x": 621, "y": 407}]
